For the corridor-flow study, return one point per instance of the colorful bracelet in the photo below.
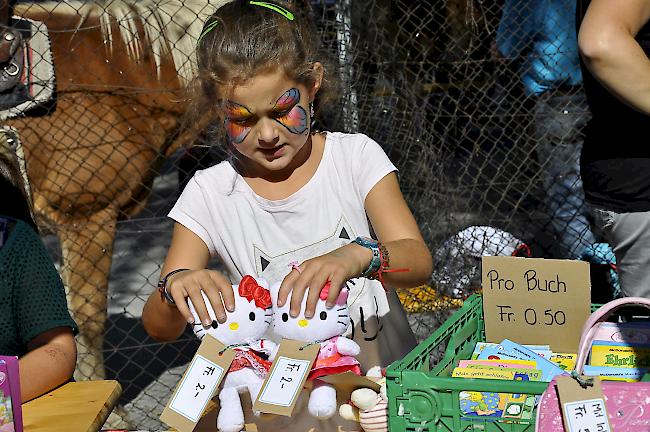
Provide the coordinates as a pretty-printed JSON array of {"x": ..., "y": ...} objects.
[
  {"x": 162, "y": 286},
  {"x": 384, "y": 266},
  {"x": 375, "y": 261}
]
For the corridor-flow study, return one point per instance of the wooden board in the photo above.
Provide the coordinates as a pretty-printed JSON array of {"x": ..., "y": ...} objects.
[{"x": 75, "y": 407}]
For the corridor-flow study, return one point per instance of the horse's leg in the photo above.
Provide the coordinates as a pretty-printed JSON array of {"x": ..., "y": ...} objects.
[{"x": 87, "y": 248}]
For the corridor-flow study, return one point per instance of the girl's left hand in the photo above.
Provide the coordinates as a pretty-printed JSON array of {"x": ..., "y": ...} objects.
[{"x": 337, "y": 267}]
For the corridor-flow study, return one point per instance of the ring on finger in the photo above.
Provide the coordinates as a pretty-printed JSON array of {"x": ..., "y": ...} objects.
[{"x": 295, "y": 266}]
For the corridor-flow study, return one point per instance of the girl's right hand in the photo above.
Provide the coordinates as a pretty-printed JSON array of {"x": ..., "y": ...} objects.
[{"x": 190, "y": 283}]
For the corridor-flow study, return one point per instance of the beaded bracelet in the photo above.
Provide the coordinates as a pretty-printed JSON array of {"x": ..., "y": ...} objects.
[
  {"x": 384, "y": 266},
  {"x": 162, "y": 286}
]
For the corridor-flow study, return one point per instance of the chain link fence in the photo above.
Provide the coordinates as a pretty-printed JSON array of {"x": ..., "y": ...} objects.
[{"x": 487, "y": 159}]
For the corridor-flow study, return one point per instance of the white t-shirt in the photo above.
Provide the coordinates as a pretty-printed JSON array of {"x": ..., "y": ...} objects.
[{"x": 257, "y": 236}]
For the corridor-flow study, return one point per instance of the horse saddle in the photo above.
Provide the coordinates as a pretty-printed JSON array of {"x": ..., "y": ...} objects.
[{"x": 11, "y": 58}]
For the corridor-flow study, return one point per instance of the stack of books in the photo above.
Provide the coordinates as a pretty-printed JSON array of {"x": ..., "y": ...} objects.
[
  {"x": 620, "y": 351},
  {"x": 508, "y": 361}
]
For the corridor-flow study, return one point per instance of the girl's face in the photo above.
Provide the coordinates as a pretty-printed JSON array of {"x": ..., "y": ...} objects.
[{"x": 267, "y": 121}]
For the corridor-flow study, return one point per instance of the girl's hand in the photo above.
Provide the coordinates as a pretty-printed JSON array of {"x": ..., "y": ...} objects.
[
  {"x": 190, "y": 283},
  {"x": 337, "y": 267}
]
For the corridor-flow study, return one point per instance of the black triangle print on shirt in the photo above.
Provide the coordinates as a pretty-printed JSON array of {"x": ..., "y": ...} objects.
[{"x": 273, "y": 268}]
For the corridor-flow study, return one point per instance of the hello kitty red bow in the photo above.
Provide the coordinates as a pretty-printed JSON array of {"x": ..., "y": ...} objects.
[
  {"x": 342, "y": 297},
  {"x": 250, "y": 290}
]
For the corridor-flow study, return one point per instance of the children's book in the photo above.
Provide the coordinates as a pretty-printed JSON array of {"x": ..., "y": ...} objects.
[
  {"x": 526, "y": 364},
  {"x": 508, "y": 350},
  {"x": 566, "y": 362},
  {"x": 479, "y": 347},
  {"x": 629, "y": 333},
  {"x": 484, "y": 373},
  {"x": 518, "y": 373},
  {"x": 11, "y": 418},
  {"x": 615, "y": 373},
  {"x": 618, "y": 354},
  {"x": 540, "y": 349},
  {"x": 492, "y": 404}
]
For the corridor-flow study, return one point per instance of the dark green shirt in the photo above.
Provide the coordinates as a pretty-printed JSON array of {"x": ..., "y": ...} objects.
[{"x": 32, "y": 297}]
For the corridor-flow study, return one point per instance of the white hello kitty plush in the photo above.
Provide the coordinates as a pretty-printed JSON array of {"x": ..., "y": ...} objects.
[
  {"x": 336, "y": 353},
  {"x": 242, "y": 331}
]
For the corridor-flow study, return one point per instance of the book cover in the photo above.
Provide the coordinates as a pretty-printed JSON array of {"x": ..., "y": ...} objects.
[
  {"x": 526, "y": 364},
  {"x": 493, "y": 404},
  {"x": 566, "y": 362},
  {"x": 509, "y": 350},
  {"x": 631, "y": 332},
  {"x": 615, "y": 373},
  {"x": 618, "y": 354},
  {"x": 11, "y": 419},
  {"x": 518, "y": 373},
  {"x": 540, "y": 349}
]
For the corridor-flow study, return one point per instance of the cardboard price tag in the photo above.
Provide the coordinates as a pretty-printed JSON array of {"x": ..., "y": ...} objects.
[
  {"x": 198, "y": 385},
  {"x": 583, "y": 408},
  {"x": 349, "y": 381},
  {"x": 286, "y": 378},
  {"x": 530, "y": 300}
]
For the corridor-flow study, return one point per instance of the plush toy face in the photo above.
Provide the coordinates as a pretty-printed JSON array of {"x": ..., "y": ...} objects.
[
  {"x": 249, "y": 321},
  {"x": 325, "y": 324}
]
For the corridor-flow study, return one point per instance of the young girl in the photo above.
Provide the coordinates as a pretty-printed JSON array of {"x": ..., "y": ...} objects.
[{"x": 287, "y": 195}]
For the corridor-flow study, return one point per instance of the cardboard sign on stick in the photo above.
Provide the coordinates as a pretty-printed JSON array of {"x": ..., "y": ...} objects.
[{"x": 536, "y": 301}]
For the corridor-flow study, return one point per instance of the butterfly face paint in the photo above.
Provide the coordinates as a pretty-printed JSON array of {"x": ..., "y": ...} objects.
[
  {"x": 289, "y": 114},
  {"x": 237, "y": 122}
]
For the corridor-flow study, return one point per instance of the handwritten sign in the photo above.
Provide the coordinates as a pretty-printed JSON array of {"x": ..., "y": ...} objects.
[
  {"x": 198, "y": 385},
  {"x": 586, "y": 415},
  {"x": 536, "y": 301},
  {"x": 196, "y": 388},
  {"x": 286, "y": 378},
  {"x": 583, "y": 407}
]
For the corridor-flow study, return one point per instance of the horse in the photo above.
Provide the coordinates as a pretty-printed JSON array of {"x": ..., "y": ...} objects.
[{"x": 91, "y": 160}]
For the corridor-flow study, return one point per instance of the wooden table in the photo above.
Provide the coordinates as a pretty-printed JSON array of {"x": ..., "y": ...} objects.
[{"x": 74, "y": 407}]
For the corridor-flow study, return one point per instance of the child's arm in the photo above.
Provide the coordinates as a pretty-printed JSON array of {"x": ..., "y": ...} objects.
[
  {"x": 50, "y": 361},
  {"x": 395, "y": 228},
  {"x": 165, "y": 321}
]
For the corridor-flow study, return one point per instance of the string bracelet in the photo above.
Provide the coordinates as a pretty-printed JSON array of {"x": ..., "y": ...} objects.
[
  {"x": 384, "y": 266},
  {"x": 162, "y": 286}
]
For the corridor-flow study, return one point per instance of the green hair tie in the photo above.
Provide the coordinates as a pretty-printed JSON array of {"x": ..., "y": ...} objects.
[
  {"x": 207, "y": 30},
  {"x": 279, "y": 9}
]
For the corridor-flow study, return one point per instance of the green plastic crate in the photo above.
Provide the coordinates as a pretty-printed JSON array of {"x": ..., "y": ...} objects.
[{"x": 424, "y": 400}]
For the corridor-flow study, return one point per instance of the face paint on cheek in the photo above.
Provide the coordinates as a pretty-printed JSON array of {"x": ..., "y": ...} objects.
[
  {"x": 295, "y": 120},
  {"x": 236, "y": 133}
]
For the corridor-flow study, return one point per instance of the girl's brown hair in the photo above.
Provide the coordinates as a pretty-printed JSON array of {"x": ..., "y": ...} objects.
[{"x": 244, "y": 38}]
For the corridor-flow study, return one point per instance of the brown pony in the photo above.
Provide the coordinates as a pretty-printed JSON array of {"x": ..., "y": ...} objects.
[{"x": 92, "y": 160}]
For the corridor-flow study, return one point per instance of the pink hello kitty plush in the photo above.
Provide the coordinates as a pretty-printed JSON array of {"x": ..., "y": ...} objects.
[
  {"x": 243, "y": 331},
  {"x": 336, "y": 353}
]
